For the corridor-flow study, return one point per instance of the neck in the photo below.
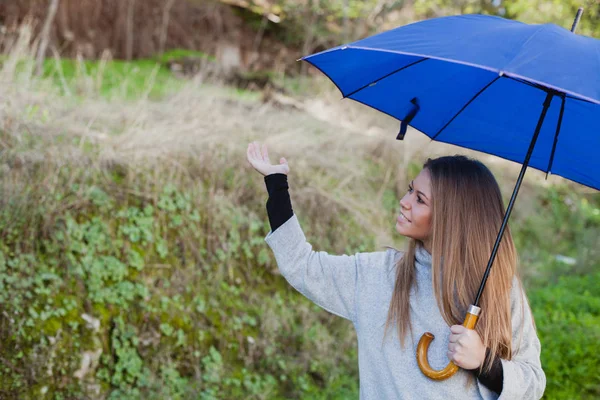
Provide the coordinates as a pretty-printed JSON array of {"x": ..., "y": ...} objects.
[{"x": 427, "y": 245}]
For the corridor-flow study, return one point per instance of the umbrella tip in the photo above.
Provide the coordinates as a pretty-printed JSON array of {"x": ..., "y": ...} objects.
[{"x": 577, "y": 18}]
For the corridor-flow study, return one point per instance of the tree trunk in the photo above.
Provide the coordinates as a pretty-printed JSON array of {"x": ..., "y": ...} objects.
[
  {"x": 165, "y": 26},
  {"x": 45, "y": 36},
  {"x": 129, "y": 31}
]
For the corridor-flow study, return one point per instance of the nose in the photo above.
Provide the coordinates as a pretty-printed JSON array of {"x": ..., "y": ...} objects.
[{"x": 404, "y": 203}]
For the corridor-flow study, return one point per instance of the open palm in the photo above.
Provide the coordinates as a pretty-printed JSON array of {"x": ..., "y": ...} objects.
[{"x": 259, "y": 159}]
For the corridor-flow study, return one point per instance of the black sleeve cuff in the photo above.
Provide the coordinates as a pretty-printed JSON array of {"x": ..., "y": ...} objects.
[
  {"x": 494, "y": 379},
  {"x": 279, "y": 205}
]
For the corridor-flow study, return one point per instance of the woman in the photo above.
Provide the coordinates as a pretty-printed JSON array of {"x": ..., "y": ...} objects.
[{"x": 451, "y": 212}]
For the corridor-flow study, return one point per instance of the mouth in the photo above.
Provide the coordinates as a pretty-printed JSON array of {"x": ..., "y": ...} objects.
[{"x": 402, "y": 217}]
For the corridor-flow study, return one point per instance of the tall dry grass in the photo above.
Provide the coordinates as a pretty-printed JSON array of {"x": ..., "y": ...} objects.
[
  {"x": 339, "y": 151},
  {"x": 347, "y": 171},
  {"x": 201, "y": 130}
]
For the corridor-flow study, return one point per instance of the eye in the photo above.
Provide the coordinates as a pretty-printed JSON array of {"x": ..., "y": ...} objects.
[{"x": 419, "y": 199}]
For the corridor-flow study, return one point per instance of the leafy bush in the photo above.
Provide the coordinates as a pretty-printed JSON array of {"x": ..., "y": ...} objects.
[
  {"x": 128, "y": 279},
  {"x": 568, "y": 322}
]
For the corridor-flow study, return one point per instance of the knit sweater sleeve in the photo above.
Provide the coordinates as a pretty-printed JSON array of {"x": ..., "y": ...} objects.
[
  {"x": 279, "y": 204},
  {"x": 330, "y": 281},
  {"x": 493, "y": 378},
  {"x": 523, "y": 374}
]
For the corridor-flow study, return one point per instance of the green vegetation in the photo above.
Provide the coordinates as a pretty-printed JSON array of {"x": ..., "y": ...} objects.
[
  {"x": 565, "y": 291},
  {"x": 113, "y": 78},
  {"x": 180, "y": 54},
  {"x": 314, "y": 25},
  {"x": 181, "y": 286},
  {"x": 568, "y": 321},
  {"x": 127, "y": 278}
]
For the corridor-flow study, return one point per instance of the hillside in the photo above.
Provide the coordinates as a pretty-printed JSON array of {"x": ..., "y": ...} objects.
[{"x": 132, "y": 255}]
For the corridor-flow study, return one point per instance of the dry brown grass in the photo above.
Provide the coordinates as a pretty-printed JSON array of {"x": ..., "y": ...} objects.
[
  {"x": 344, "y": 162},
  {"x": 203, "y": 130}
]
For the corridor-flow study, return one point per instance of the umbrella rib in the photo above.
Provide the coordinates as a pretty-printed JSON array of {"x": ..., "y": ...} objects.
[
  {"x": 526, "y": 82},
  {"x": 385, "y": 76},
  {"x": 580, "y": 99},
  {"x": 465, "y": 106},
  {"x": 560, "y": 117},
  {"x": 546, "y": 88}
]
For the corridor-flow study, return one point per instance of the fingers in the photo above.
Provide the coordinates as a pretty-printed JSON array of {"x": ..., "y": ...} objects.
[
  {"x": 455, "y": 358},
  {"x": 458, "y": 329},
  {"x": 265, "y": 153},
  {"x": 256, "y": 148},
  {"x": 255, "y": 151},
  {"x": 465, "y": 348},
  {"x": 459, "y": 334},
  {"x": 258, "y": 154},
  {"x": 252, "y": 152},
  {"x": 249, "y": 155}
]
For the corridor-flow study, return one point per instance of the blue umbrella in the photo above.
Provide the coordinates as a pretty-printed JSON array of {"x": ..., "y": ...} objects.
[{"x": 526, "y": 93}]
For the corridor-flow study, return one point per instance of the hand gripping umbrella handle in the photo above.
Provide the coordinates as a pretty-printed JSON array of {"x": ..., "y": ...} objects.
[{"x": 451, "y": 368}]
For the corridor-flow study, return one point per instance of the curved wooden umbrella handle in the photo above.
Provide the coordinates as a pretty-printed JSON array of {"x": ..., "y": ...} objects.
[{"x": 451, "y": 368}]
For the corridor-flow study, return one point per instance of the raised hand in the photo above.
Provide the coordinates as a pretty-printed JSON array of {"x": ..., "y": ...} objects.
[{"x": 259, "y": 159}]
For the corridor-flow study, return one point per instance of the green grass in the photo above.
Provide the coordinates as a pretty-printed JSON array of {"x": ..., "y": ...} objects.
[
  {"x": 168, "y": 254},
  {"x": 178, "y": 54},
  {"x": 568, "y": 323},
  {"x": 115, "y": 78}
]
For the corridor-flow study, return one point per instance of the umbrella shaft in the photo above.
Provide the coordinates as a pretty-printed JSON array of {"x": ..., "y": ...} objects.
[
  {"x": 547, "y": 102},
  {"x": 577, "y": 18}
]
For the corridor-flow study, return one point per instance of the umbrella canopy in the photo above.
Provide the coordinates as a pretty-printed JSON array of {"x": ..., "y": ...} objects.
[{"x": 480, "y": 82}]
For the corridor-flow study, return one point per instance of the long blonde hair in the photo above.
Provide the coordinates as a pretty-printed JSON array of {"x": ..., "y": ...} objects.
[{"x": 467, "y": 211}]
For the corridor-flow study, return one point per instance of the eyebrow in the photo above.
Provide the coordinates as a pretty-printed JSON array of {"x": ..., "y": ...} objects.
[{"x": 412, "y": 183}]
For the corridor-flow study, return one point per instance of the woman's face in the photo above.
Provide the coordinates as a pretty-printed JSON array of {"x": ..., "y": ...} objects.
[{"x": 414, "y": 220}]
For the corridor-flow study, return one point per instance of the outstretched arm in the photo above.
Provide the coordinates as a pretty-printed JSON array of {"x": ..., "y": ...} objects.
[{"x": 328, "y": 281}]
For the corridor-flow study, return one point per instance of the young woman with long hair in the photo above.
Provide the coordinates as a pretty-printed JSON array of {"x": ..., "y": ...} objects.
[{"x": 451, "y": 213}]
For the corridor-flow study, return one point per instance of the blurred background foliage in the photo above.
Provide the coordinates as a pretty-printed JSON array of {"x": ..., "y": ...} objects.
[{"x": 132, "y": 255}]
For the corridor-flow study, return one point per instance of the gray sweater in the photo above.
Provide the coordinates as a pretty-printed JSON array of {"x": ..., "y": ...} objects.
[{"x": 359, "y": 288}]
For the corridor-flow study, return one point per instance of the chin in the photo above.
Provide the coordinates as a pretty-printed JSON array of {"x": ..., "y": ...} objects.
[
  {"x": 405, "y": 232},
  {"x": 401, "y": 230}
]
